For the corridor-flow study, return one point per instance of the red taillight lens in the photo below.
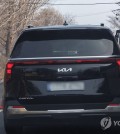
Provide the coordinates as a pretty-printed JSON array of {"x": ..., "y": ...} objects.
[
  {"x": 9, "y": 67},
  {"x": 118, "y": 62},
  {"x": 18, "y": 107},
  {"x": 114, "y": 105},
  {"x": 9, "y": 71}
]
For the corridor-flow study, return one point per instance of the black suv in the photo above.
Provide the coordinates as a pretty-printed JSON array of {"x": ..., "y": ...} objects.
[{"x": 62, "y": 76}]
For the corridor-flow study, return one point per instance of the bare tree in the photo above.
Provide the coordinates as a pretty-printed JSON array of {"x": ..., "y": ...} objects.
[
  {"x": 115, "y": 22},
  {"x": 14, "y": 16},
  {"x": 51, "y": 16}
]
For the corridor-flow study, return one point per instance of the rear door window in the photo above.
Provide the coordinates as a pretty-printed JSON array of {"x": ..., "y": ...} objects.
[{"x": 65, "y": 43}]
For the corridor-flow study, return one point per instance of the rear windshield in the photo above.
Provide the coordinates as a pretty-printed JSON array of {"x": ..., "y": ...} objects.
[{"x": 64, "y": 43}]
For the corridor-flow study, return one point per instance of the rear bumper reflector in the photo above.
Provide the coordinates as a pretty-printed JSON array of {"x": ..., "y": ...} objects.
[{"x": 114, "y": 107}]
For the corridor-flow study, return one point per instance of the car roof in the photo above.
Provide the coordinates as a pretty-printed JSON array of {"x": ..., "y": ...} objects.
[{"x": 63, "y": 27}]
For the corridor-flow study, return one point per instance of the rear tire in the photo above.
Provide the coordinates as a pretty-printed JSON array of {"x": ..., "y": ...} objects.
[
  {"x": 13, "y": 129},
  {"x": 10, "y": 127}
]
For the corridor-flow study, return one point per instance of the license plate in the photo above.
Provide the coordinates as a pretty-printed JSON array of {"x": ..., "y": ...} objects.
[{"x": 65, "y": 86}]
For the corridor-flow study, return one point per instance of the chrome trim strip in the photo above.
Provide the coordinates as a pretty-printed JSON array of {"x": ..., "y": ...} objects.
[
  {"x": 54, "y": 58},
  {"x": 20, "y": 111}
]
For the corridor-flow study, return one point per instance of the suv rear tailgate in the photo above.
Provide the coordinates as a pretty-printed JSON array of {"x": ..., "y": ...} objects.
[{"x": 78, "y": 82}]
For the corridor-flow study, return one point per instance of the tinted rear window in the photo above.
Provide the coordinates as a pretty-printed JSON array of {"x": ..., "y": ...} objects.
[{"x": 64, "y": 43}]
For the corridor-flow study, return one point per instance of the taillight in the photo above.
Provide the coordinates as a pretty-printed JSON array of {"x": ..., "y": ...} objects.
[
  {"x": 118, "y": 62},
  {"x": 9, "y": 67},
  {"x": 114, "y": 105}
]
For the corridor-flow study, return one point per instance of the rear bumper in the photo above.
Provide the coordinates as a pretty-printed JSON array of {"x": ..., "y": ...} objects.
[
  {"x": 91, "y": 121},
  {"x": 56, "y": 118},
  {"x": 22, "y": 111}
]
